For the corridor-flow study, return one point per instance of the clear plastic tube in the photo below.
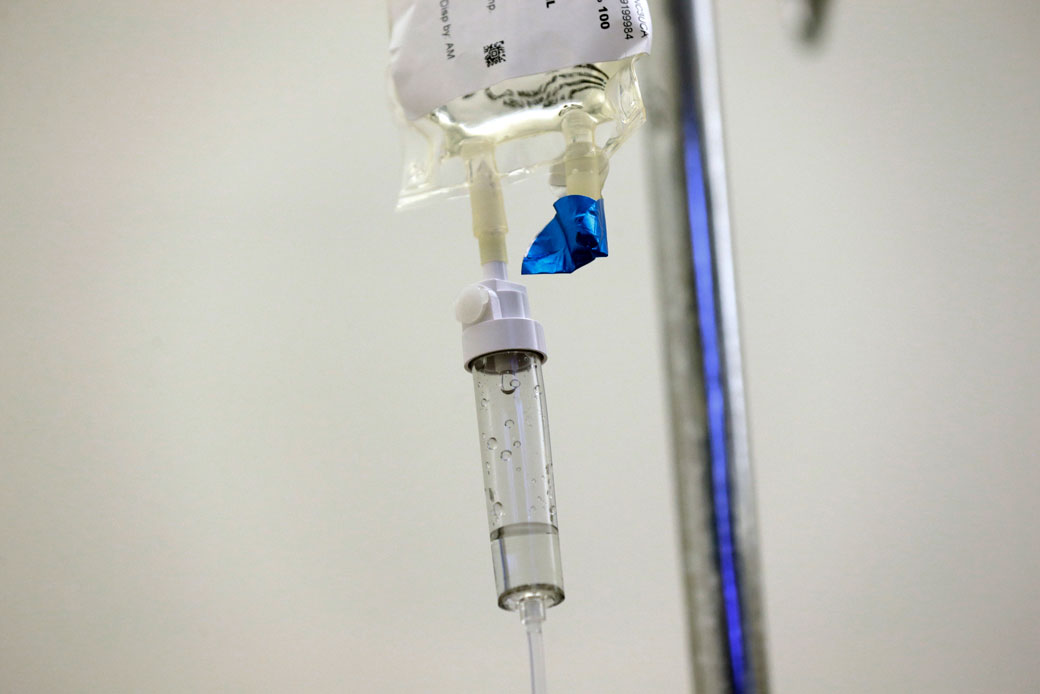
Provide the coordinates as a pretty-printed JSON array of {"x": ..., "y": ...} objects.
[
  {"x": 532, "y": 614},
  {"x": 518, "y": 479}
]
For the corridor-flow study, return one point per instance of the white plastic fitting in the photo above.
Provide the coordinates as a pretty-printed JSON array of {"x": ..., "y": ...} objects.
[
  {"x": 584, "y": 163},
  {"x": 485, "y": 195},
  {"x": 496, "y": 317}
]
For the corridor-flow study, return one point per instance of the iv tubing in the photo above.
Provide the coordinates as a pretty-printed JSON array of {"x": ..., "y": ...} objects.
[{"x": 532, "y": 614}]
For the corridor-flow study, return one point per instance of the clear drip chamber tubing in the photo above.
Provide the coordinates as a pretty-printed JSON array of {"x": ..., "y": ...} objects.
[{"x": 518, "y": 477}]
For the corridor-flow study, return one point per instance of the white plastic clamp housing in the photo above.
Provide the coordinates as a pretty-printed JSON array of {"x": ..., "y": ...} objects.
[{"x": 496, "y": 317}]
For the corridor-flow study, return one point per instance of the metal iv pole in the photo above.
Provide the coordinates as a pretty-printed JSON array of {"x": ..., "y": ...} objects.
[{"x": 705, "y": 385}]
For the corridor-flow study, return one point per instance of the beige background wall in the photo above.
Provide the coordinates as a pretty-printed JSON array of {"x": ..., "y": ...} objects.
[
  {"x": 886, "y": 197},
  {"x": 237, "y": 451}
]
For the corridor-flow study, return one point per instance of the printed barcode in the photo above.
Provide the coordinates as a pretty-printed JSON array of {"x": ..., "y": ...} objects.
[{"x": 495, "y": 53}]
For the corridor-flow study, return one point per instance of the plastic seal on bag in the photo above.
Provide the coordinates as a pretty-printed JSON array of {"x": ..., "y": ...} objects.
[{"x": 511, "y": 75}]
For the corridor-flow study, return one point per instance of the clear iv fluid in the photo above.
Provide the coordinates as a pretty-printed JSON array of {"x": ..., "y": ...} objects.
[
  {"x": 522, "y": 118},
  {"x": 518, "y": 479}
]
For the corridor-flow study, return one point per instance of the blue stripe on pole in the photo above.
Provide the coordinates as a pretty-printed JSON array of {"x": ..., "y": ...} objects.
[{"x": 711, "y": 347}]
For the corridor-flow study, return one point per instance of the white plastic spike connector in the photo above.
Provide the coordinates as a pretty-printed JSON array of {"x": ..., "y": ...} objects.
[
  {"x": 495, "y": 270},
  {"x": 496, "y": 317}
]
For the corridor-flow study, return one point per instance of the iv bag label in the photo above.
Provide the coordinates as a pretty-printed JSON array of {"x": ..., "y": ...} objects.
[{"x": 444, "y": 49}]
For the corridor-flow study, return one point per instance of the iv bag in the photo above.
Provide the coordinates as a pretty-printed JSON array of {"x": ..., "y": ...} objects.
[{"x": 507, "y": 73}]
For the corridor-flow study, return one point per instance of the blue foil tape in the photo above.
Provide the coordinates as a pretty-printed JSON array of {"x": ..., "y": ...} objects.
[{"x": 576, "y": 236}]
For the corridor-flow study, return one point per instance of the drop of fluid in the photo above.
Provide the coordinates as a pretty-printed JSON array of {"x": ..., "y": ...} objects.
[
  {"x": 492, "y": 443},
  {"x": 506, "y": 455},
  {"x": 508, "y": 423},
  {"x": 538, "y": 389},
  {"x": 509, "y": 382},
  {"x": 483, "y": 403},
  {"x": 496, "y": 511},
  {"x": 516, "y": 444},
  {"x": 517, "y": 468}
]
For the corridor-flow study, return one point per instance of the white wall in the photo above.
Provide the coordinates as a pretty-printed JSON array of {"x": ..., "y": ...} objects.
[
  {"x": 238, "y": 450},
  {"x": 228, "y": 464},
  {"x": 886, "y": 193}
]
